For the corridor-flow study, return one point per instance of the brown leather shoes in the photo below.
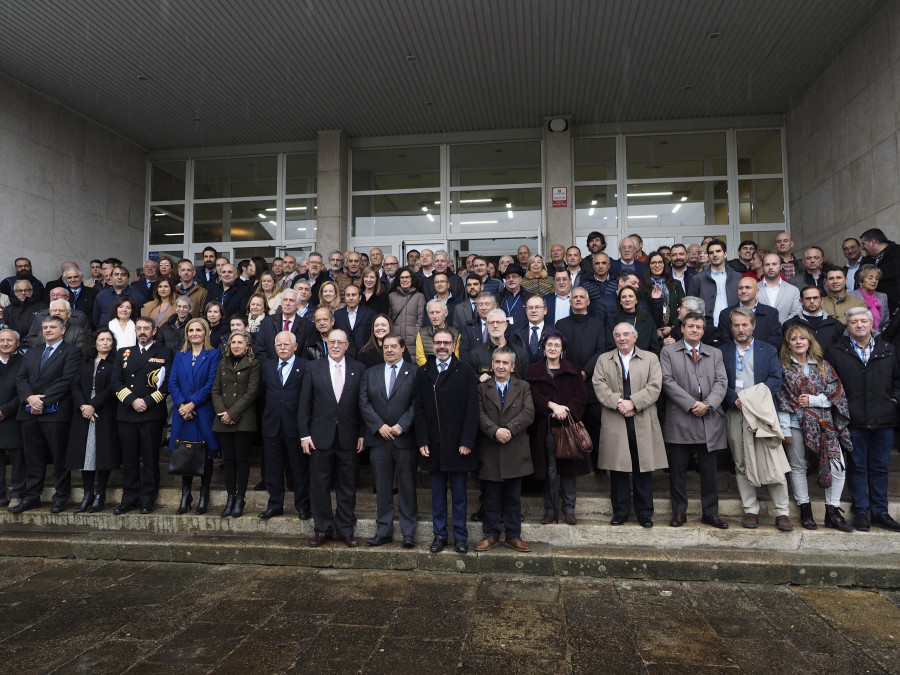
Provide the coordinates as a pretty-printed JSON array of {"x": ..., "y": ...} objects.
[
  {"x": 548, "y": 519},
  {"x": 487, "y": 543},
  {"x": 783, "y": 523},
  {"x": 750, "y": 521},
  {"x": 571, "y": 519},
  {"x": 350, "y": 541},
  {"x": 317, "y": 541},
  {"x": 518, "y": 545}
]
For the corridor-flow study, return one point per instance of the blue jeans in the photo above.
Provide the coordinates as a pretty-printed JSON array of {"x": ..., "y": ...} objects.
[
  {"x": 457, "y": 481},
  {"x": 867, "y": 475}
]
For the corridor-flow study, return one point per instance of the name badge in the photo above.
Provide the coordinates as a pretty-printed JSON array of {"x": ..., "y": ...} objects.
[
  {"x": 738, "y": 384},
  {"x": 511, "y": 320}
]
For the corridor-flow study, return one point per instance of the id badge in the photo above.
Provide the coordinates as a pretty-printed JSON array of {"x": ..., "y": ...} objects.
[{"x": 738, "y": 384}]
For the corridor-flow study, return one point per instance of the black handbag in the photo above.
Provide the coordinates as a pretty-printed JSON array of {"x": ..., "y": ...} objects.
[{"x": 187, "y": 458}]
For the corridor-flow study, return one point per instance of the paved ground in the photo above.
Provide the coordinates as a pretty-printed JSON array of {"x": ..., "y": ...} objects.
[{"x": 77, "y": 616}]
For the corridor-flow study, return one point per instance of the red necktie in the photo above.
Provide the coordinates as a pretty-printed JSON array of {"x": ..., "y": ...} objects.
[{"x": 287, "y": 324}]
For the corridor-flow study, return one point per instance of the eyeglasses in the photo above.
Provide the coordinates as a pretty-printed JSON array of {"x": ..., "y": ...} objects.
[{"x": 335, "y": 343}]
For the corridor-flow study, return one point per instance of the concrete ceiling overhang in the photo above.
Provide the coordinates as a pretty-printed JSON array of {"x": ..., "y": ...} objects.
[{"x": 179, "y": 73}]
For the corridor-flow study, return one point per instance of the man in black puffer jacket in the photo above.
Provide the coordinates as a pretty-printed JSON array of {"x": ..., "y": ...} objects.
[{"x": 867, "y": 366}]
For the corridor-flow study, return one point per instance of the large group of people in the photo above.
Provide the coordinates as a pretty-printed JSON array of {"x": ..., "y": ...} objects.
[{"x": 667, "y": 358}]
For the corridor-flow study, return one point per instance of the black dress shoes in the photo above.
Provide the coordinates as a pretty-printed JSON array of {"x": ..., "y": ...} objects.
[
  {"x": 58, "y": 507},
  {"x": 271, "y": 513},
  {"x": 409, "y": 542},
  {"x": 884, "y": 520},
  {"x": 379, "y": 541},
  {"x": 99, "y": 503},
  {"x": 678, "y": 519},
  {"x": 239, "y": 503},
  {"x": 645, "y": 521},
  {"x": 146, "y": 509},
  {"x": 304, "y": 515},
  {"x": 461, "y": 546},
  {"x": 437, "y": 545},
  {"x": 260, "y": 486},
  {"x": 861, "y": 521},
  {"x": 715, "y": 521},
  {"x": 25, "y": 505},
  {"x": 124, "y": 508},
  {"x": 618, "y": 519},
  {"x": 478, "y": 516},
  {"x": 85, "y": 503}
]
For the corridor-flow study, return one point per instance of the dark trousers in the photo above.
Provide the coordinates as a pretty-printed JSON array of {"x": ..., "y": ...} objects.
[
  {"x": 87, "y": 481},
  {"x": 708, "y": 464},
  {"x": 140, "y": 461},
  {"x": 339, "y": 464},
  {"x": 45, "y": 443},
  {"x": 457, "y": 481},
  {"x": 385, "y": 459},
  {"x": 641, "y": 482},
  {"x": 502, "y": 499},
  {"x": 591, "y": 421},
  {"x": 14, "y": 457},
  {"x": 235, "y": 448},
  {"x": 284, "y": 456},
  {"x": 867, "y": 478}
]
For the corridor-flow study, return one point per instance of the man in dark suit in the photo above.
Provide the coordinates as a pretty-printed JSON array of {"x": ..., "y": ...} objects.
[
  {"x": 768, "y": 327},
  {"x": 446, "y": 422},
  {"x": 466, "y": 308},
  {"x": 44, "y": 384},
  {"x": 628, "y": 249},
  {"x": 331, "y": 434},
  {"x": 142, "y": 286},
  {"x": 282, "y": 456},
  {"x": 532, "y": 332},
  {"x": 285, "y": 319},
  {"x": 749, "y": 362},
  {"x": 11, "y": 452},
  {"x": 475, "y": 331},
  {"x": 717, "y": 282},
  {"x": 557, "y": 303},
  {"x": 107, "y": 297},
  {"x": 140, "y": 379},
  {"x": 81, "y": 296},
  {"x": 231, "y": 292},
  {"x": 207, "y": 274},
  {"x": 354, "y": 320},
  {"x": 386, "y": 406}
]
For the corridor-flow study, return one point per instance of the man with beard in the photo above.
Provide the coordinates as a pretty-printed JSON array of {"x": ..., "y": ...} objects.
[
  {"x": 190, "y": 287},
  {"x": 23, "y": 273},
  {"x": 596, "y": 243},
  {"x": 678, "y": 258},
  {"x": 207, "y": 275},
  {"x": 467, "y": 308},
  {"x": 599, "y": 283}
]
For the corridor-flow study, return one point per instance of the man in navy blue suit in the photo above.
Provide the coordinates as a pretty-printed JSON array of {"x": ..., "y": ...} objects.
[
  {"x": 749, "y": 362},
  {"x": 331, "y": 435},
  {"x": 628, "y": 249},
  {"x": 354, "y": 320},
  {"x": 285, "y": 318},
  {"x": 557, "y": 303},
  {"x": 532, "y": 332},
  {"x": 768, "y": 327},
  {"x": 282, "y": 456}
]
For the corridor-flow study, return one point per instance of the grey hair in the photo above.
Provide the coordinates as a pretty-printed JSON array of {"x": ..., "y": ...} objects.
[
  {"x": 853, "y": 311},
  {"x": 625, "y": 323},
  {"x": 14, "y": 332},
  {"x": 291, "y": 290},
  {"x": 442, "y": 252},
  {"x": 504, "y": 350},
  {"x": 485, "y": 295},
  {"x": 68, "y": 307},
  {"x": 435, "y": 301},
  {"x": 693, "y": 303},
  {"x": 497, "y": 312},
  {"x": 185, "y": 299},
  {"x": 746, "y": 312}
]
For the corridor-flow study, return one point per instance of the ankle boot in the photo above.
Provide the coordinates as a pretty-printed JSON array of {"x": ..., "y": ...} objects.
[
  {"x": 203, "y": 502},
  {"x": 238, "y": 509},
  {"x": 806, "y": 517},
  {"x": 229, "y": 505},
  {"x": 186, "y": 500},
  {"x": 85, "y": 503},
  {"x": 834, "y": 518},
  {"x": 98, "y": 503}
]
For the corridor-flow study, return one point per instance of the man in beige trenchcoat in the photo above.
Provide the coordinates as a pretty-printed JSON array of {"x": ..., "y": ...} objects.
[
  {"x": 628, "y": 382},
  {"x": 695, "y": 382}
]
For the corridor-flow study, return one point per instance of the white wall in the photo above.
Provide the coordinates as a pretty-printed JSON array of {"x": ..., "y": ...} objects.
[{"x": 69, "y": 188}]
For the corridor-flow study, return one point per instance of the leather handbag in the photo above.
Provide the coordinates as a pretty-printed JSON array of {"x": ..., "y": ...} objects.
[
  {"x": 572, "y": 439},
  {"x": 187, "y": 458}
]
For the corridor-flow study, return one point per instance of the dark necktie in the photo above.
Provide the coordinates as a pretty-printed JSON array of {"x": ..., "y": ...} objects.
[
  {"x": 393, "y": 380},
  {"x": 442, "y": 367},
  {"x": 281, "y": 366},
  {"x": 484, "y": 335},
  {"x": 474, "y": 311},
  {"x": 48, "y": 350},
  {"x": 533, "y": 344}
]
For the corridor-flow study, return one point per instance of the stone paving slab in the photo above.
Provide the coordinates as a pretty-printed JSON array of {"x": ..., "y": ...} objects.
[{"x": 192, "y": 618}]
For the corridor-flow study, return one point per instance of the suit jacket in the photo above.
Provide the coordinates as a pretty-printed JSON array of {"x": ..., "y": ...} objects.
[
  {"x": 681, "y": 380},
  {"x": 362, "y": 331},
  {"x": 234, "y": 300},
  {"x": 462, "y": 313},
  {"x": 330, "y": 422},
  {"x": 766, "y": 368},
  {"x": 550, "y": 301},
  {"x": 54, "y": 381},
  {"x": 144, "y": 376},
  {"x": 615, "y": 266},
  {"x": 703, "y": 287},
  {"x": 787, "y": 303},
  {"x": 377, "y": 408},
  {"x": 768, "y": 327},
  {"x": 524, "y": 333},
  {"x": 270, "y": 326},
  {"x": 279, "y": 417},
  {"x": 500, "y": 461},
  {"x": 10, "y": 427},
  {"x": 141, "y": 288},
  {"x": 78, "y": 330},
  {"x": 107, "y": 449},
  {"x": 457, "y": 287}
]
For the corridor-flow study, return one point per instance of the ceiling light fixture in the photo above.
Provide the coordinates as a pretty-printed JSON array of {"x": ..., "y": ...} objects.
[
  {"x": 676, "y": 207},
  {"x": 649, "y": 194},
  {"x": 642, "y": 217},
  {"x": 478, "y": 222},
  {"x": 475, "y": 201}
]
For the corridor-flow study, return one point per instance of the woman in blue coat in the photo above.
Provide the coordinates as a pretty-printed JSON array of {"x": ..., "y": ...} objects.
[{"x": 190, "y": 385}]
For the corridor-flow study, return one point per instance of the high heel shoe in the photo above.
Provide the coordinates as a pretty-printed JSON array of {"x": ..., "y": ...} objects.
[
  {"x": 229, "y": 505},
  {"x": 186, "y": 500},
  {"x": 239, "y": 503},
  {"x": 85, "y": 503},
  {"x": 98, "y": 503}
]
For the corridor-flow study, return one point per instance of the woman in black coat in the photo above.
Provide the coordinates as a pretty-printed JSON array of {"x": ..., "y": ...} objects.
[
  {"x": 94, "y": 439},
  {"x": 557, "y": 388},
  {"x": 629, "y": 311}
]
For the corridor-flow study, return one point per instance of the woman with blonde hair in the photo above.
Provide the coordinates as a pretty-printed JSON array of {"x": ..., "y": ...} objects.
[
  {"x": 330, "y": 296},
  {"x": 536, "y": 280},
  {"x": 814, "y": 414},
  {"x": 267, "y": 286},
  {"x": 190, "y": 386},
  {"x": 868, "y": 276}
]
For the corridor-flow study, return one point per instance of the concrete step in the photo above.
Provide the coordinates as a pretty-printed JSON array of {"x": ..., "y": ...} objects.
[
  {"x": 744, "y": 565},
  {"x": 591, "y": 530}
]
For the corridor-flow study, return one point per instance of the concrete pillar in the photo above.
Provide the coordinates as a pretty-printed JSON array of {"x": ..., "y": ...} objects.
[
  {"x": 332, "y": 183},
  {"x": 558, "y": 173}
]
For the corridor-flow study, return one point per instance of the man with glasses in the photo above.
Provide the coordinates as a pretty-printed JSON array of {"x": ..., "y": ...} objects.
[
  {"x": 331, "y": 434},
  {"x": 389, "y": 273},
  {"x": 22, "y": 308}
]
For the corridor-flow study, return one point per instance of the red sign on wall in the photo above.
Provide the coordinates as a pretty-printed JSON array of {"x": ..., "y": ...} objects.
[{"x": 560, "y": 196}]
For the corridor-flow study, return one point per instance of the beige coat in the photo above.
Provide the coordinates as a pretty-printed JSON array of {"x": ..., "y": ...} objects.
[
  {"x": 646, "y": 384},
  {"x": 764, "y": 456}
]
